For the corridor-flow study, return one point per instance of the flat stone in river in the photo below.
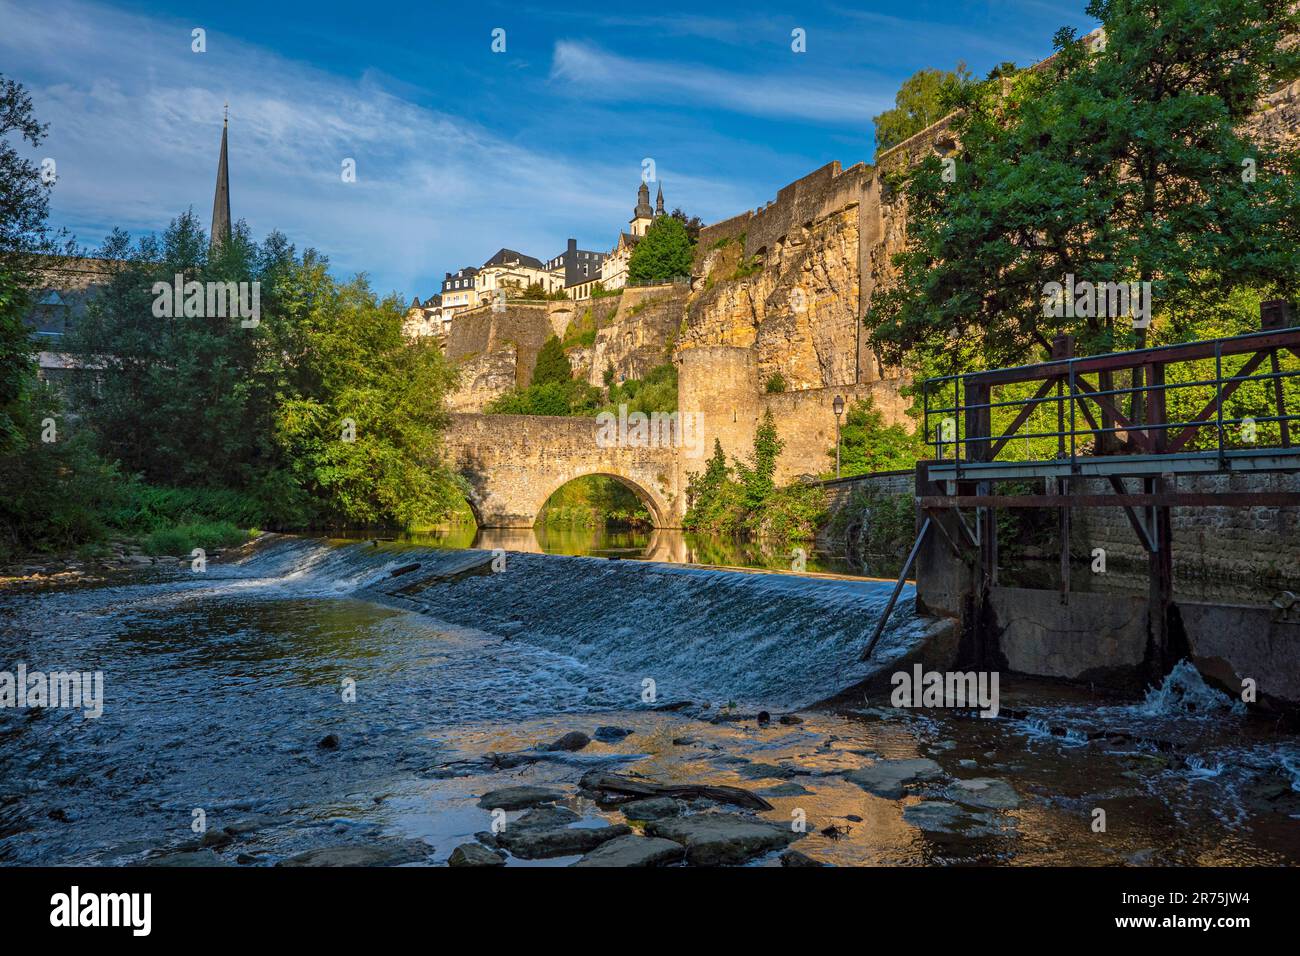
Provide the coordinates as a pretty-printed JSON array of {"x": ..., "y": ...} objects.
[
  {"x": 532, "y": 843},
  {"x": 719, "y": 839},
  {"x": 984, "y": 792},
  {"x": 391, "y": 854},
  {"x": 941, "y": 819},
  {"x": 886, "y": 778},
  {"x": 634, "y": 851},
  {"x": 518, "y": 798},
  {"x": 655, "y": 808},
  {"x": 474, "y": 854}
]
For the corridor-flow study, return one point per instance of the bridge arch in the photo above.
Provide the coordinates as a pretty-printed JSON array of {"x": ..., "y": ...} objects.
[{"x": 658, "y": 508}]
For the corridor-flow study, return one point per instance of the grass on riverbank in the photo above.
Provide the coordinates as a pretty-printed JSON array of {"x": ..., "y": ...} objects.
[
  {"x": 184, "y": 538},
  {"x": 159, "y": 520}
]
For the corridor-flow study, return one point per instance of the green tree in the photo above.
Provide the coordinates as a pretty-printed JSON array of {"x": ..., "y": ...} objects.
[
  {"x": 361, "y": 430},
  {"x": 712, "y": 497},
  {"x": 923, "y": 99},
  {"x": 182, "y": 400},
  {"x": 24, "y": 205},
  {"x": 867, "y": 444},
  {"x": 550, "y": 398},
  {"x": 693, "y": 224},
  {"x": 757, "y": 476},
  {"x": 656, "y": 392},
  {"x": 54, "y": 490},
  {"x": 664, "y": 253},
  {"x": 1120, "y": 161},
  {"x": 552, "y": 365}
]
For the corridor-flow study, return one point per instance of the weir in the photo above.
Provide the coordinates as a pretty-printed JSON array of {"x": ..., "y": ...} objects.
[
  {"x": 1119, "y": 639},
  {"x": 701, "y": 634}
]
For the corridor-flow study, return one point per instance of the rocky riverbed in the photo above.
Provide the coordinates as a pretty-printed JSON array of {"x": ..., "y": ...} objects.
[
  {"x": 269, "y": 714},
  {"x": 862, "y": 786}
]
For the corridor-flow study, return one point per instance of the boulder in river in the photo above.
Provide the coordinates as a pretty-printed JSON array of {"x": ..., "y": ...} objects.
[
  {"x": 653, "y": 808},
  {"x": 886, "y": 778},
  {"x": 610, "y": 734},
  {"x": 793, "y": 857},
  {"x": 573, "y": 740},
  {"x": 605, "y": 784},
  {"x": 720, "y": 839},
  {"x": 474, "y": 854},
  {"x": 546, "y": 817},
  {"x": 941, "y": 819},
  {"x": 329, "y": 742},
  {"x": 634, "y": 851},
  {"x": 377, "y": 854},
  {"x": 535, "y": 843},
  {"x": 518, "y": 798}
]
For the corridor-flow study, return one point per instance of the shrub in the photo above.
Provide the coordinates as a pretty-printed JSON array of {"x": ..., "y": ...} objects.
[{"x": 183, "y": 539}]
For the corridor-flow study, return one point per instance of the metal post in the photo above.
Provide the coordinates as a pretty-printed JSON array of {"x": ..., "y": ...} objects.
[
  {"x": 1063, "y": 488},
  {"x": 1218, "y": 394},
  {"x": 1074, "y": 451},
  {"x": 1161, "y": 590},
  {"x": 837, "y": 407},
  {"x": 898, "y": 587},
  {"x": 837, "y": 446},
  {"x": 1279, "y": 397}
]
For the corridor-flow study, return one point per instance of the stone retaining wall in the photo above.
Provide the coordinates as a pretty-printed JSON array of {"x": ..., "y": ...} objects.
[{"x": 1261, "y": 545}]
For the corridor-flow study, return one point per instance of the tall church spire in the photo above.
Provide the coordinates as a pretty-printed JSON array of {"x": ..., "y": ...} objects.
[
  {"x": 221, "y": 200},
  {"x": 659, "y": 201}
]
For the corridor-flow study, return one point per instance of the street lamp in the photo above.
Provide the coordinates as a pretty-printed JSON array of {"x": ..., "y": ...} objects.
[{"x": 838, "y": 407}]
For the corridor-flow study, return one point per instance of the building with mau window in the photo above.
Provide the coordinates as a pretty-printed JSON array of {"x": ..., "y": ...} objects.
[
  {"x": 574, "y": 267},
  {"x": 459, "y": 291},
  {"x": 426, "y": 318},
  {"x": 508, "y": 275}
]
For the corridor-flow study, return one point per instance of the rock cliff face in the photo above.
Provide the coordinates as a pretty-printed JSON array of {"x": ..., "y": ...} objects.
[
  {"x": 497, "y": 350},
  {"x": 790, "y": 282},
  {"x": 786, "y": 281},
  {"x": 630, "y": 334},
  {"x": 1278, "y": 119},
  {"x": 483, "y": 378},
  {"x": 794, "y": 303}
]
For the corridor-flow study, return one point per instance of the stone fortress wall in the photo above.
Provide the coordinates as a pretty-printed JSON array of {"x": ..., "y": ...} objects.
[
  {"x": 775, "y": 292},
  {"x": 777, "y": 297}
]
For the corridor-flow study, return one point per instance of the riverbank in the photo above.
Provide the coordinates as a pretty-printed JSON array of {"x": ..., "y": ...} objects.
[{"x": 114, "y": 557}]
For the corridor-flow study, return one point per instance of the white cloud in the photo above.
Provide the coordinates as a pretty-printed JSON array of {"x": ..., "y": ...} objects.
[
  {"x": 840, "y": 101},
  {"x": 135, "y": 126}
]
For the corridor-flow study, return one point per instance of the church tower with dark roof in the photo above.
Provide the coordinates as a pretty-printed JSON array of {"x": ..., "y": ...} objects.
[
  {"x": 643, "y": 215},
  {"x": 220, "y": 234}
]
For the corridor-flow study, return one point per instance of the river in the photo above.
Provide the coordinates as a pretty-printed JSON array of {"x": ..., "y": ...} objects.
[{"x": 291, "y": 700}]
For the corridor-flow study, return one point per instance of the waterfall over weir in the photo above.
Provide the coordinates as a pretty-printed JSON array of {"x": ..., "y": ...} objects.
[{"x": 760, "y": 639}]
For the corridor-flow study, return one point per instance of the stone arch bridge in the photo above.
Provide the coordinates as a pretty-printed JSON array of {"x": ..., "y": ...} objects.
[{"x": 514, "y": 463}]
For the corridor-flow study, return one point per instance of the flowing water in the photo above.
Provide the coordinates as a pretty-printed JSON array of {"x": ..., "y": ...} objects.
[{"x": 220, "y": 688}]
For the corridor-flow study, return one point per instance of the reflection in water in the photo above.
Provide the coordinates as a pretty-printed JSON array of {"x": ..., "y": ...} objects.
[{"x": 670, "y": 545}]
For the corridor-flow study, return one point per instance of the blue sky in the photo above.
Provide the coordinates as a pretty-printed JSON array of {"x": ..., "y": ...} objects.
[{"x": 460, "y": 151}]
